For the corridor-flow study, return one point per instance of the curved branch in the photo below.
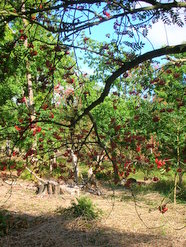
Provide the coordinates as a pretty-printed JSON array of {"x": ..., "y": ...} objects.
[
  {"x": 127, "y": 66},
  {"x": 156, "y": 6},
  {"x": 97, "y": 135}
]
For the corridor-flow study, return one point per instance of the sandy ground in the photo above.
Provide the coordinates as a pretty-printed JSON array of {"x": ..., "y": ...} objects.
[{"x": 37, "y": 221}]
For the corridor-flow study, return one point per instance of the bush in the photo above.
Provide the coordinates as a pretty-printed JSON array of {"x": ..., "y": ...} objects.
[
  {"x": 4, "y": 223},
  {"x": 84, "y": 208},
  {"x": 103, "y": 176}
]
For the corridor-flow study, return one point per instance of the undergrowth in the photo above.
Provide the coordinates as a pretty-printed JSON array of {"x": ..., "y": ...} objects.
[
  {"x": 165, "y": 188},
  {"x": 4, "y": 223},
  {"x": 83, "y": 208}
]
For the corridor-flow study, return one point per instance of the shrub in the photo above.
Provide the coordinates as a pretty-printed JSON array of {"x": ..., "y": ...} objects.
[
  {"x": 103, "y": 176},
  {"x": 4, "y": 223},
  {"x": 84, "y": 208}
]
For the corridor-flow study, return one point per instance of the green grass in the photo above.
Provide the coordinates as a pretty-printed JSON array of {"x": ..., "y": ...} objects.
[
  {"x": 139, "y": 175},
  {"x": 83, "y": 208},
  {"x": 165, "y": 188},
  {"x": 26, "y": 175}
]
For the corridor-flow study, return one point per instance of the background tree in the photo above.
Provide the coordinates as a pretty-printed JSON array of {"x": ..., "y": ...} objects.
[{"x": 38, "y": 40}]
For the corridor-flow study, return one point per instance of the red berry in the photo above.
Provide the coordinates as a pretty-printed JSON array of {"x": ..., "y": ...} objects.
[
  {"x": 155, "y": 179},
  {"x": 33, "y": 17},
  {"x": 169, "y": 71},
  {"x": 176, "y": 75},
  {"x": 156, "y": 119},
  {"x": 67, "y": 52},
  {"x": 179, "y": 170},
  {"x": 51, "y": 115},
  {"x": 85, "y": 39},
  {"x": 33, "y": 53}
]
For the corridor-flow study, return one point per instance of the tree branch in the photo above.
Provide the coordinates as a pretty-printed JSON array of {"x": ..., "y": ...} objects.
[
  {"x": 127, "y": 66},
  {"x": 76, "y": 27}
]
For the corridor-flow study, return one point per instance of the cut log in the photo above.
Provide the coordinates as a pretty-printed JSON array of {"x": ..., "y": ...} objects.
[
  {"x": 91, "y": 185},
  {"x": 52, "y": 187}
]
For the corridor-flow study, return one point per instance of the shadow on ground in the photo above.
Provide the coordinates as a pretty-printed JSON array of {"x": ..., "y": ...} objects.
[{"x": 63, "y": 231}]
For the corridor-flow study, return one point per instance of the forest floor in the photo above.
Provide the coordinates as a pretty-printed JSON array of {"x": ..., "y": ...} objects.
[{"x": 39, "y": 220}]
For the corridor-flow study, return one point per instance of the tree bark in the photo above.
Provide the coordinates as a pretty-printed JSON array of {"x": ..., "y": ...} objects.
[
  {"x": 8, "y": 148},
  {"x": 52, "y": 187},
  {"x": 175, "y": 188},
  {"x": 29, "y": 77},
  {"x": 75, "y": 165}
]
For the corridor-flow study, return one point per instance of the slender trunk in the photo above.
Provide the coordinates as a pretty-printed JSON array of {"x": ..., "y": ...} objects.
[
  {"x": 30, "y": 94},
  {"x": 50, "y": 166},
  {"x": 29, "y": 82},
  {"x": 114, "y": 163},
  {"x": 180, "y": 177},
  {"x": 75, "y": 165},
  {"x": 52, "y": 161},
  {"x": 116, "y": 176},
  {"x": 115, "y": 168},
  {"x": 180, "y": 174},
  {"x": 175, "y": 188},
  {"x": 8, "y": 149},
  {"x": 90, "y": 172},
  {"x": 73, "y": 155},
  {"x": 100, "y": 159}
]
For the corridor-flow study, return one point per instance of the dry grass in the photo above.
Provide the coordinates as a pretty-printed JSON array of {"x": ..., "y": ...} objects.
[{"x": 39, "y": 224}]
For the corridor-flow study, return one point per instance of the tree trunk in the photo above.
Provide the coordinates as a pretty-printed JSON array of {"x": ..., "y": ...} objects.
[
  {"x": 180, "y": 174},
  {"x": 175, "y": 188},
  {"x": 115, "y": 167},
  {"x": 116, "y": 176},
  {"x": 51, "y": 187},
  {"x": 8, "y": 148},
  {"x": 74, "y": 156},
  {"x": 75, "y": 165},
  {"x": 180, "y": 179},
  {"x": 28, "y": 76},
  {"x": 30, "y": 104},
  {"x": 51, "y": 165},
  {"x": 90, "y": 172}
]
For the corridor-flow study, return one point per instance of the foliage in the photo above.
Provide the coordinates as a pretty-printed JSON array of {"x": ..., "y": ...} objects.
[
  {"x": 126, "y": 116},
  {"x": 84, "y": 208},
  {"x": 9, "y": 222},
  {"x": 4, "y": 223}
]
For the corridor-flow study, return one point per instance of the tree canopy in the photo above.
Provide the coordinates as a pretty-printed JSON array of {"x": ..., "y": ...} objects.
[{"x": 48, "y": 103}]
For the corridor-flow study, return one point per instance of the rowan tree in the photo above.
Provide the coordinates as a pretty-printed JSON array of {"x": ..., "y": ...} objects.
[{"x": 38, "y": 41}]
